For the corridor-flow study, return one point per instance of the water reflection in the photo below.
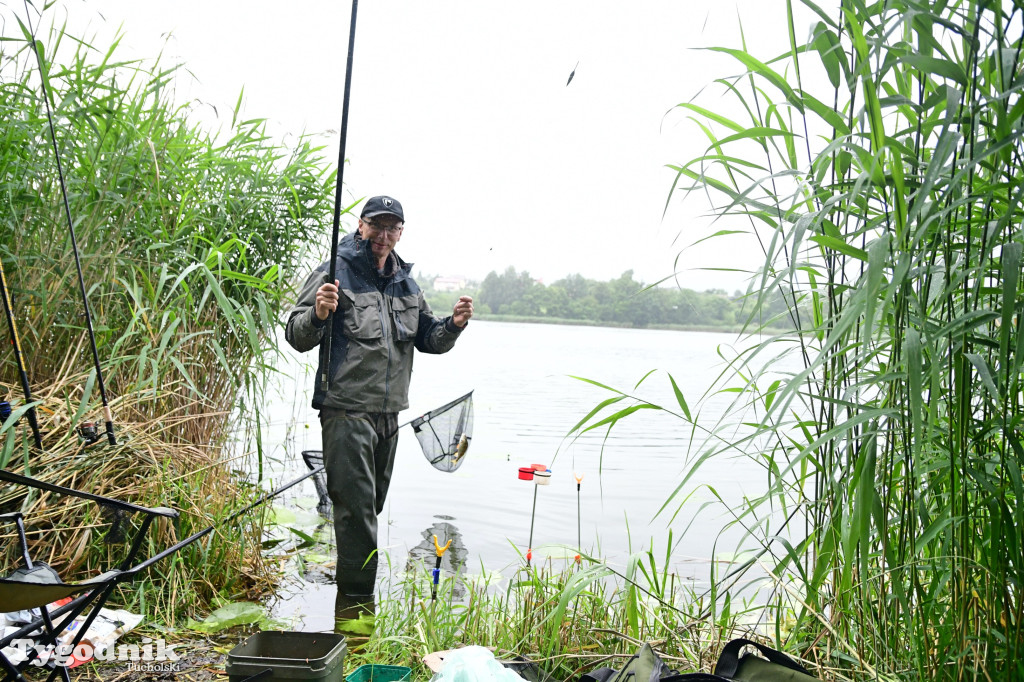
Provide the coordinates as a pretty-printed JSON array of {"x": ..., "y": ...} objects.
[
  {"x": 423, "y": 557},
  {"x": 319, "y": 560}
]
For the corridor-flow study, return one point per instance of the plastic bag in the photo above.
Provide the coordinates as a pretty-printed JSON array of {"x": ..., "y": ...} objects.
[{"x": 473, "y": 664}]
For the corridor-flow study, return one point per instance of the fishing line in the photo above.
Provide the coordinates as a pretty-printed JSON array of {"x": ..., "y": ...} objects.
[
  {"x": 108, "y": 419},
  {"x": 325, "y": 347},
  {"x": 18, "y": 357}
]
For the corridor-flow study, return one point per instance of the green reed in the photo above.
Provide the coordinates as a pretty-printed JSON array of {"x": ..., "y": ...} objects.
[
  {"x": 877, "y": 164},
  {"x": 568, "y": 618},
  {"x": 190, "y": 240}
]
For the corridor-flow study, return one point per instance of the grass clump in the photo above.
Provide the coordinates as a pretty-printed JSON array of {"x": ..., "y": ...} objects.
[
  {"x": 566, "y": 617},
  {"x": 189, "y": 241},
  {"x": 877, "y": 163}
]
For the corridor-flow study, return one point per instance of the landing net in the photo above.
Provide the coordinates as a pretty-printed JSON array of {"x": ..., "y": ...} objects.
[{"x": 444, "y": 434}]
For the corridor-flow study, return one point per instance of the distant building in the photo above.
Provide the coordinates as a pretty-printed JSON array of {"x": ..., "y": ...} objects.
[{"x": 449, "y": 283}]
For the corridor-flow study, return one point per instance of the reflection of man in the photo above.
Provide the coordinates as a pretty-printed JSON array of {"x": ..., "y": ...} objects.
[{"x": 381, "y": 317}]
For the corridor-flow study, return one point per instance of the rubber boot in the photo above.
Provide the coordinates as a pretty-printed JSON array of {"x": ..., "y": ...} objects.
[
  {"x": 354, "y": 606},
  {"x": 354, "y": 618}
]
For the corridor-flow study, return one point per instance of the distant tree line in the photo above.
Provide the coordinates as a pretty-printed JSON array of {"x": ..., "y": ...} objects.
[{"x": 619, "y": 302}]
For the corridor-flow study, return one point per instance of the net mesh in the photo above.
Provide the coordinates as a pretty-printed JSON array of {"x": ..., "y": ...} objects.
[
  {"x": 444, "y": 434},
  {"x": 314, "y": 459}
]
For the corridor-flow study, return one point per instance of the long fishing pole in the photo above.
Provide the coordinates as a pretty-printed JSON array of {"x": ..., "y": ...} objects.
[
  {"x": 19, "y": 359},
  {"x": 325, "y": 347},
  {"x": 108, "y": 419},
  {"x": 209, "y": 529}
]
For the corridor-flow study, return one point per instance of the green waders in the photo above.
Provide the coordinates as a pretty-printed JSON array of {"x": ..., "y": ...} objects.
[{"x": 359, "y": 455}]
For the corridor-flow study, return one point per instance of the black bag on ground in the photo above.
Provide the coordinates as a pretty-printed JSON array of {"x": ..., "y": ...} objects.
[
  {"x": 647, "y": 666},
  {"x": 774, "y": 667},
  {"x": 643, "y": 666}
]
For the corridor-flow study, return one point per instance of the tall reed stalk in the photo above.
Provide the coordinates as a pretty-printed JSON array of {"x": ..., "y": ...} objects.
[
  {"x": 877, "y": 163},
  {"x": 189, "y": 240}
]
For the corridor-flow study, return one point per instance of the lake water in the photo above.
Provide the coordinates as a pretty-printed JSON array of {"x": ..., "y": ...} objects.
[{"x": 526, "y": 402}]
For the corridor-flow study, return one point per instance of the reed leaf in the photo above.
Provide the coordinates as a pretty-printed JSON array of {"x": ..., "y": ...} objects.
[
  {"x": 190, "y": 242},
  {"x": 895, "y": 239}
]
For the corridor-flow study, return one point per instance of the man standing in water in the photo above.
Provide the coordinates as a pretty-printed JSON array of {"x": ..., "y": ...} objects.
[{"x": 381, "y": 316}]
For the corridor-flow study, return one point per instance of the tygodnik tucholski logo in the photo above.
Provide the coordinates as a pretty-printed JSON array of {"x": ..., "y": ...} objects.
[{"x": 151, "y": 656}]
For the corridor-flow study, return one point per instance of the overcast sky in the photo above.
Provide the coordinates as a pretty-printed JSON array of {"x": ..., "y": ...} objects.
[{"x": 461, "y": 111}]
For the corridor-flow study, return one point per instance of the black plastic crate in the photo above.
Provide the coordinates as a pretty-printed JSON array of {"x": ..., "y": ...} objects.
[{"x": 278, "y": 656}]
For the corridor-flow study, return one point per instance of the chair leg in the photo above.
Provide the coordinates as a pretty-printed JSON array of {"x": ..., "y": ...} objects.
[
  {"x": 11, "y": 673},
  {"x": 63, "y": 670}
]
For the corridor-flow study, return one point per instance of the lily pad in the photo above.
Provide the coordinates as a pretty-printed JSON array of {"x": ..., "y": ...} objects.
[
  {"x": 306, "y": 502},
  {"x": 293, "y": 517},
  {"x": 363, "y": 625},
  {"x": 236, "y": 613},
  {"x": 318, "y": 558}
]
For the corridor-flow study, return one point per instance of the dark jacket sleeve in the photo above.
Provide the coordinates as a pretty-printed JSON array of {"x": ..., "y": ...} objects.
[
  {"x": 303, "y": 330},
  {"x": 435, "y": 335}
]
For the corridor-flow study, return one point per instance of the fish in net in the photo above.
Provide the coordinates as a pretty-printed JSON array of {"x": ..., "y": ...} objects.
[{"x": 444, "y": 435}]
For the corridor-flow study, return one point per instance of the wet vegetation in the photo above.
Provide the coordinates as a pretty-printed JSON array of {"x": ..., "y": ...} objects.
[
  {"x": 567, "y": 617},
  {"x": 188, "y": 240},
  {"x": 878, "y": 163},
  {"x": 875, "y": 161}
]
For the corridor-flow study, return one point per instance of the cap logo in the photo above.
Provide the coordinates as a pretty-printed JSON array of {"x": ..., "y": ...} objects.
[{"x": 387, "y": 201}]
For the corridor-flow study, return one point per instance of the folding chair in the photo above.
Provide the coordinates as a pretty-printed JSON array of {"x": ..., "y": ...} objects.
[{"x": 35, "y": 585}]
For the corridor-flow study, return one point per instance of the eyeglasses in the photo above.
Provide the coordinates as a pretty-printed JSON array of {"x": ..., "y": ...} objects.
[{"x": 377, "y": 227}]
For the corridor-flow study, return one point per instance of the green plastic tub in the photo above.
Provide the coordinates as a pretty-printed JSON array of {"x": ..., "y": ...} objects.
[
  {"x": 379, "y": 673},
  {"x": 286, "y": 656}
]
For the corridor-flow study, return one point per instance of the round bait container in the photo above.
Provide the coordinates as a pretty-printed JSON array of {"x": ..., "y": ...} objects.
[
  {"x": 542, "y": 477},
  {"x": 526, "y": 473}
]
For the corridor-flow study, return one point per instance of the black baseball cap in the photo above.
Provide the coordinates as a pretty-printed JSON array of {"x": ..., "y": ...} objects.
[{"x": 382, "y": 205}]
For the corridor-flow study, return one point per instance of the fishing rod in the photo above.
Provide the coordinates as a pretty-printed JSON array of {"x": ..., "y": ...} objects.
[
  {"x": 108, "y": 419},
  {"x": 20, "y": 479},
  {"x": 209, "y": 529},
  {"x": 18, "y": 357},
  {"x": 325, "y": 347}
]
